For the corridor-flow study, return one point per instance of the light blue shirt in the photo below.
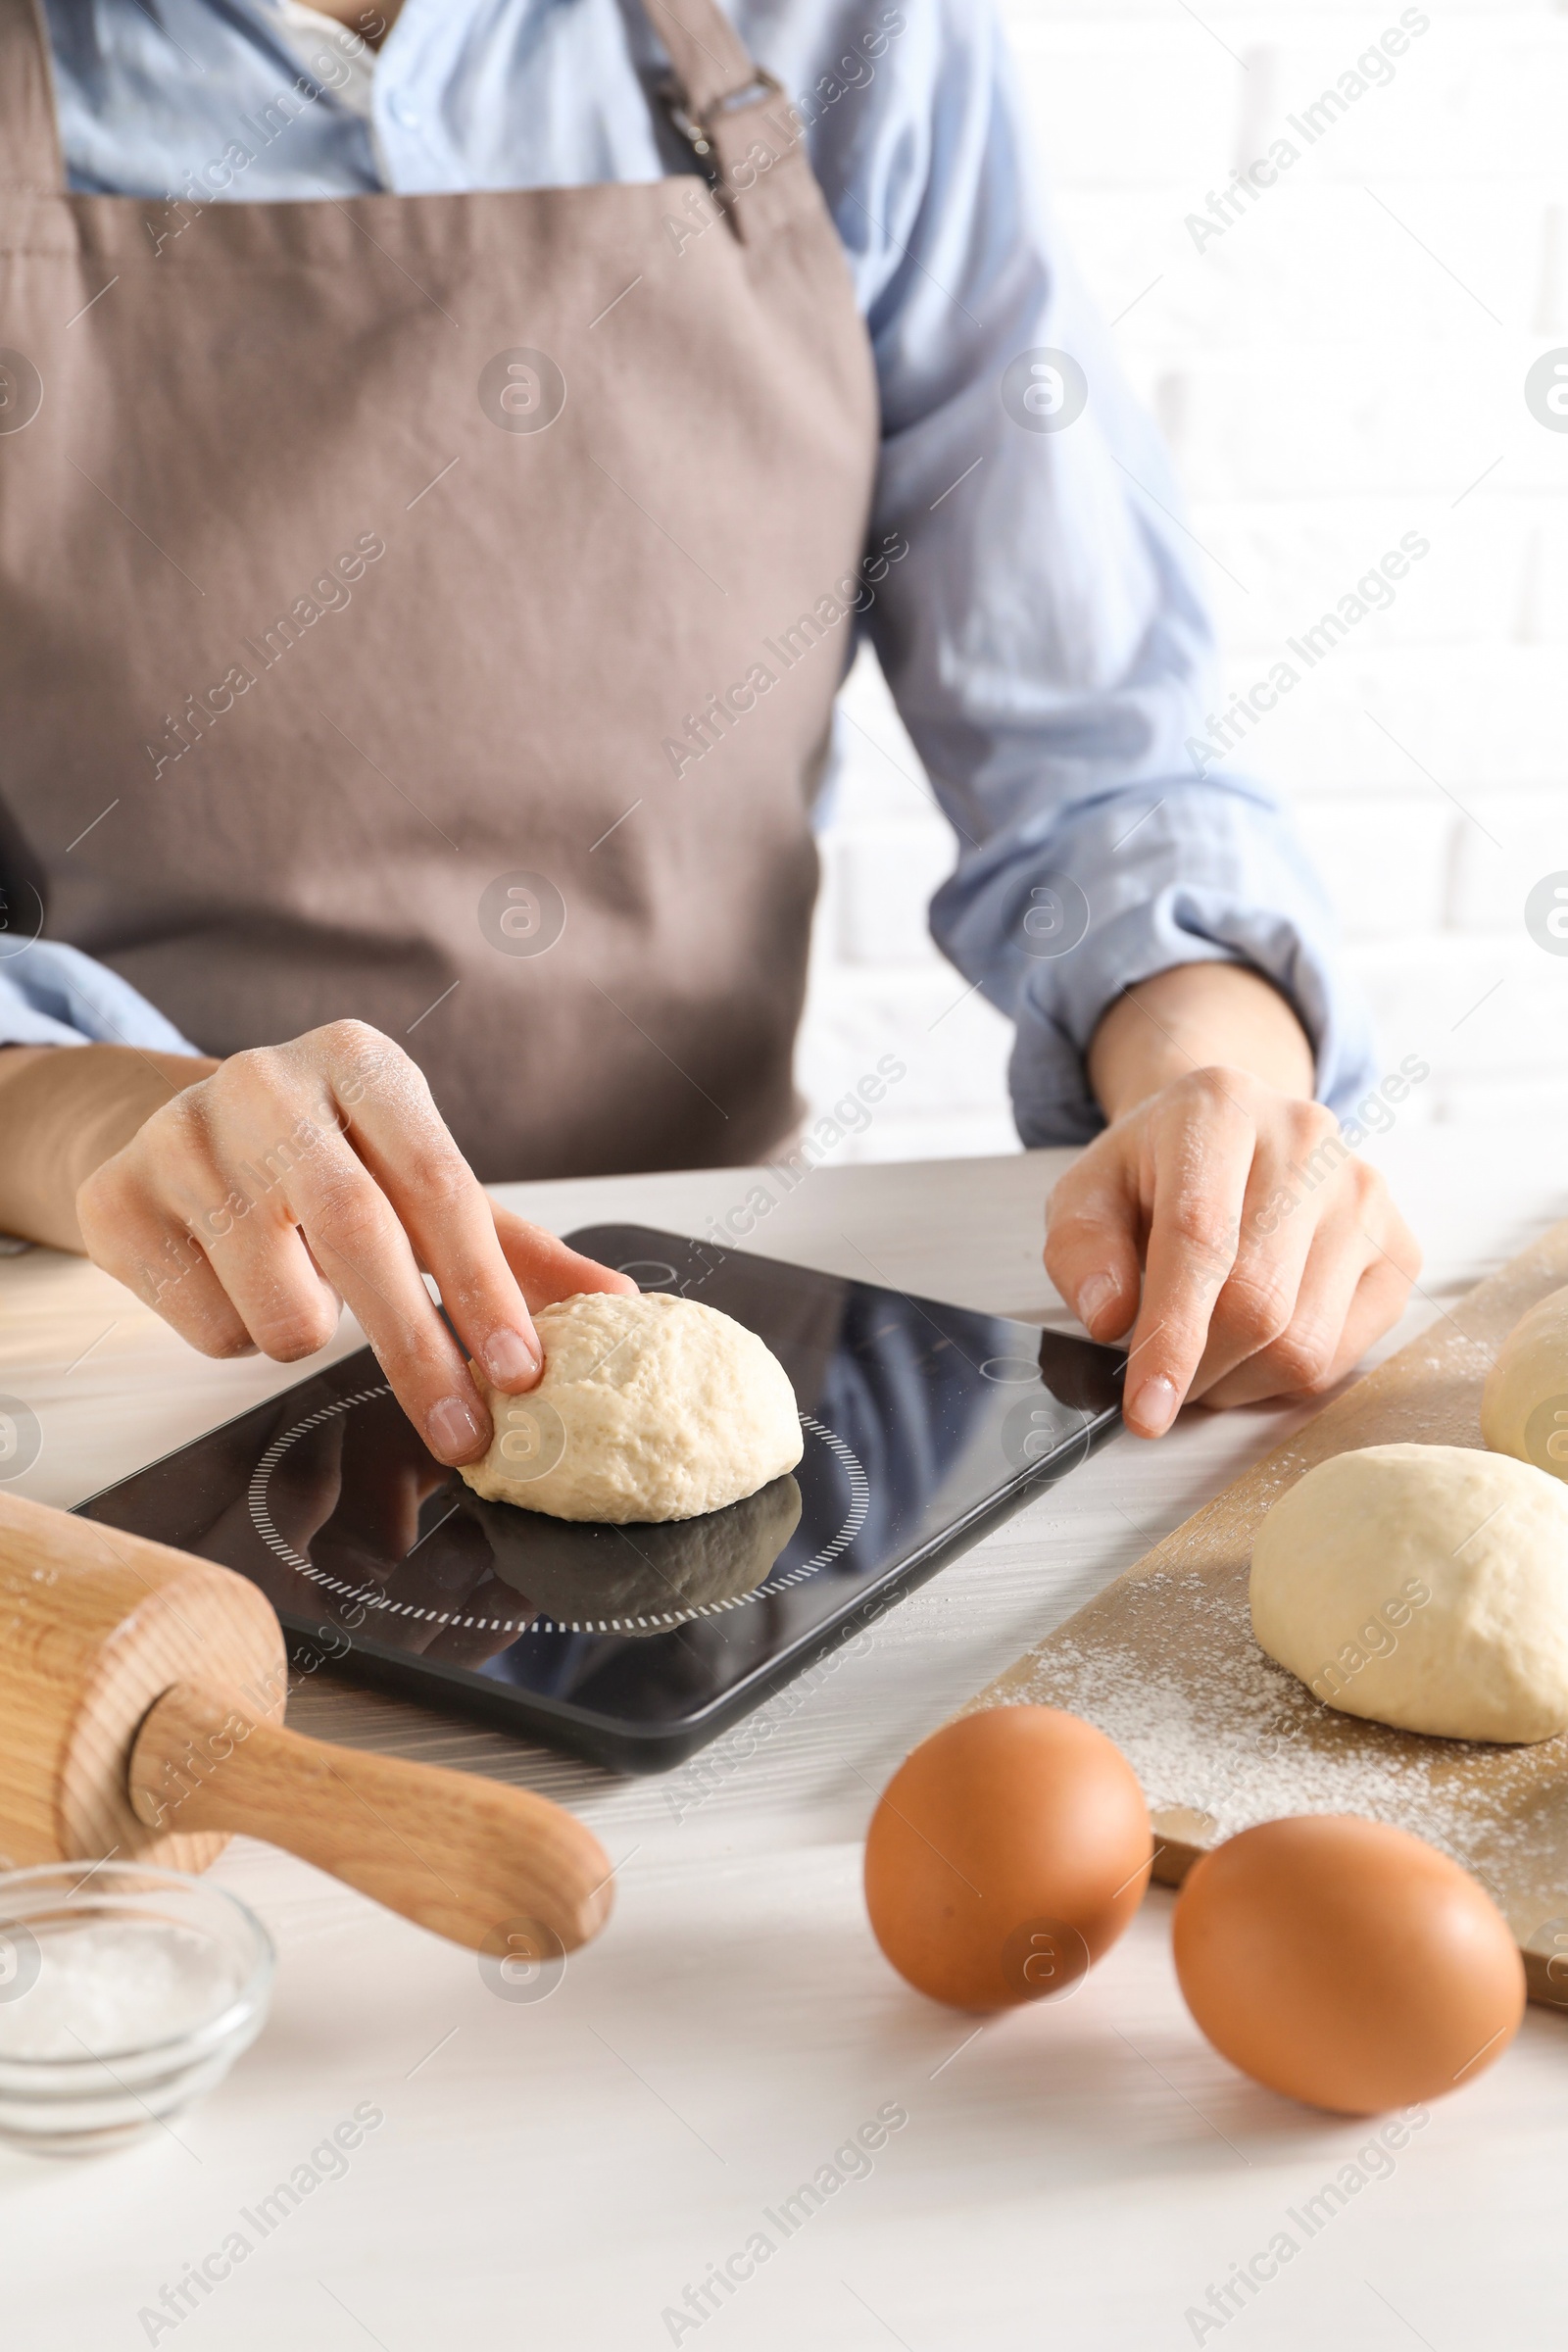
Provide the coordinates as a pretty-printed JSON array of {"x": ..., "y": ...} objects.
[{"x": 1045, "y": 637}]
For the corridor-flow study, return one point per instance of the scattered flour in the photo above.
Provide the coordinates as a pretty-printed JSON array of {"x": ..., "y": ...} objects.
[{"x": 1230, "y": 1736}]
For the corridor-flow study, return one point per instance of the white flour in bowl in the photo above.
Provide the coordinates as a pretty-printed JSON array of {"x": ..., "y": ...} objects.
[{"x": 112, "y": 1984}]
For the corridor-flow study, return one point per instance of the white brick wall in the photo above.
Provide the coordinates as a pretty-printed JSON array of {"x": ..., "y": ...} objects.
[{"x": 1329, "y": 379}]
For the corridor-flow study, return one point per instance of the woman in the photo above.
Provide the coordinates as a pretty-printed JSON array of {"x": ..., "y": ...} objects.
[{"x": 442, "y": 468}]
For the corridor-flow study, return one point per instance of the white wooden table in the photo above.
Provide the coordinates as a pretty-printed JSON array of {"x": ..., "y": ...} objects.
[{"x": 557, "y": 2174}]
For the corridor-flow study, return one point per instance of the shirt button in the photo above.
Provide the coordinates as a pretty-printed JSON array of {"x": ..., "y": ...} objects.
[{"x": 403, "y": 110}]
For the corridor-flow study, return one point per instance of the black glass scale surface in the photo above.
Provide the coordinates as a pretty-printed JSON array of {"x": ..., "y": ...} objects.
[{"x": 923, "y": 1425}]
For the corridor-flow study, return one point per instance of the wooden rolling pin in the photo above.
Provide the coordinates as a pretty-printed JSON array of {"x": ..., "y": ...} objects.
[{"x": 141, "y": 1704}]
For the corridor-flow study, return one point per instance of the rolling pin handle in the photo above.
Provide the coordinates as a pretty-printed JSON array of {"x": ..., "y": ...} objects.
[{"x": 466, "y": 1857}]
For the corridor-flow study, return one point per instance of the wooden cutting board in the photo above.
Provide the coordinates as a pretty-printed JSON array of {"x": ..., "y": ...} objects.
[{"x": 1163, "y": 1660}]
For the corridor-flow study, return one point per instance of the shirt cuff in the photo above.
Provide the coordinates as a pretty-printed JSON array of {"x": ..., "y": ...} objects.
[
  {"x": 51, "y": 995},
  {"x": 1136, "y": 883}
]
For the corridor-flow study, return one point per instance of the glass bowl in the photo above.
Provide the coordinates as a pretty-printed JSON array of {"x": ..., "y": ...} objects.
[{"x": 126, "y": 1993}]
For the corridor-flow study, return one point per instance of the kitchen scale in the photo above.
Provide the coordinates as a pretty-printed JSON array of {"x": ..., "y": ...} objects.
[{"x": 923, "y": 1425}]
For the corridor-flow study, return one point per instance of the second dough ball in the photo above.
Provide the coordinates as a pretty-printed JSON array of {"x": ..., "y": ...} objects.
[
  {"x": 650, "y": 1408},
  {"x": 1424, "y": 1587},
  {"x": 1523, "y": 1406}
]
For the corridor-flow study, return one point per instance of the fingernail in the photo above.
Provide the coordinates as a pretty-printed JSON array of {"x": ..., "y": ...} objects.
[
  {"x": 1152, "y": 1404},
  {"x": 1093, "y": 1296},
  {"x": 453, "y": 1429},
  {"x": 509, "y": 1357}
]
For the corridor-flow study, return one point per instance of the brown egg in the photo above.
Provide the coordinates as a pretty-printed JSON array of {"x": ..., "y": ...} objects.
[
  {"x": 1345, "y": 1963},
  {"x": 1007, "y": 1854}
]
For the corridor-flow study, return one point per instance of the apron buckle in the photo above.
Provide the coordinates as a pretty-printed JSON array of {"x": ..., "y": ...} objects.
[{"x": 756, "y": 93}]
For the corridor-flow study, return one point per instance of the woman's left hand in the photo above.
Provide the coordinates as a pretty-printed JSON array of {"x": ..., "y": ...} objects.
[{"x": 1271, "y": 1257}]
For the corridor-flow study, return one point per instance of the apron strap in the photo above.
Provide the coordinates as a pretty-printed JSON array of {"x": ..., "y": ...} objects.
[
  {"x": 710, "y": 59},
  {"x": 31, "y": 160},
  {"x": 747, "y": 135}
]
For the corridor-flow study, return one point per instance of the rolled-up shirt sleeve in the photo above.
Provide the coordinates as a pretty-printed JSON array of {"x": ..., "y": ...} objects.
[
  {"x": 1177, "y": 872},
  {"x": 52, "y": 995},
  {"x": 1041, "y": 623}
]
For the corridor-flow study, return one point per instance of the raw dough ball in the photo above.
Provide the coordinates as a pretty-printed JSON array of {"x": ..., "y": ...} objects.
[
  {"x": 650, "y": 1408},
  {"x": 1422, "y": 1585},
  {"x": 1524, "y": 1407}
]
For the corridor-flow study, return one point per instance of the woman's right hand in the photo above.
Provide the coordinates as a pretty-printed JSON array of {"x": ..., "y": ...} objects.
[{"x": 295, "y": 1179}]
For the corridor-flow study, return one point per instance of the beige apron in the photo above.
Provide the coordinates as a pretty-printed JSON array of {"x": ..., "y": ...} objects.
[{"x": 427, "y": 610}]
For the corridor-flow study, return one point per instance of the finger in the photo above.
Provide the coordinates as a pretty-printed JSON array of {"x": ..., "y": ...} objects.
[
  {"x": 1298, "y": 1359},
  {"x": 1356, "y": 1304},
  {"x": 545, "y": 1267},
  {"x": 156, "y": 1256},
  {"x": 356, "y": 1236},
  {"x": 287, "y": 1304},
  {"x": 1259, "y": 1298},
  {"x": 1094, "y": 1226},
  {"x": 403, "y": 1141},
  {"x": 1201, "y": 1162},
  {"x": 1381, "y": 1298},
  {"x": 256, "y": 1286}
]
